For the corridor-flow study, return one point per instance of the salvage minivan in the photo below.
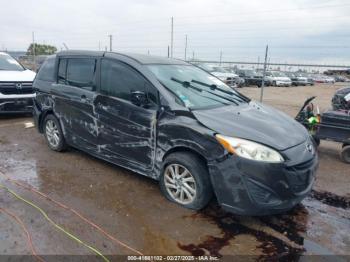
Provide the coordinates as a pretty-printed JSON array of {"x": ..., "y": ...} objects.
[{"x": 178, "y": 124}]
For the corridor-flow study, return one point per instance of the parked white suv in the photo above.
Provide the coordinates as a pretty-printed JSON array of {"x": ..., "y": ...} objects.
[
  {"x": 16, "y": 91},
  {"x": 278, "y": 78}
]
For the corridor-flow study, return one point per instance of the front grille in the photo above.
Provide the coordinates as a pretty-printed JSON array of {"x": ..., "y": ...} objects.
[
  {"x": 299, "y": 176},
  {"x": 14, "y": 88}
]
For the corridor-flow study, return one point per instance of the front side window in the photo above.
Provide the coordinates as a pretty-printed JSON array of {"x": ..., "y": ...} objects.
[
  {"x": 47, "y": 70},
  {"x": 9, "y": 63},
  {"x": 195, "y": 88},
  {"x": 81, "y": 72},
  {"x": 119, "y": 80}
]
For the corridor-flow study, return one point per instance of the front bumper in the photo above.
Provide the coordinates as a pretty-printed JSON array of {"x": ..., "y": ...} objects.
[
  {"x": 248, "y": 187},
  {"x": 283, "y": 83},
  {"x": 16, "y": 103}
]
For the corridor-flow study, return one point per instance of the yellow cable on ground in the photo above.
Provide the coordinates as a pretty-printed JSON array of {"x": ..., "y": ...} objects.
[{"x": 54, "y": 224}]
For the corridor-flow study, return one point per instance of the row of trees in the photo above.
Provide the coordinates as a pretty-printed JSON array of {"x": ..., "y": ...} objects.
[{"x": 41, "y": 49}]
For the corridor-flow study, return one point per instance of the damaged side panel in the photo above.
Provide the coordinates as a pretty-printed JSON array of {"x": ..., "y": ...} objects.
[{"x": 127, "y": 135}]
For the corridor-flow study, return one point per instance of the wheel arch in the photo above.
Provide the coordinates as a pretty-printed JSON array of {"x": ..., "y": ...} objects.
[
  {"x": 42, "y": 117},
  {"x": 178, "y": 149}
]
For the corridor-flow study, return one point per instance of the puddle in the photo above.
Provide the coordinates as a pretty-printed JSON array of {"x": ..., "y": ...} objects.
[
  {"x": 230, "y": 226},
  {"x": 308, "y": 226},
  {"x": 331, "y": 199}
]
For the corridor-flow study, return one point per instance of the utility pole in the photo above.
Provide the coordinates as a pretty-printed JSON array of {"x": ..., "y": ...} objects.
[
  {"x": 99, "y": 45},
  {"x": 193, "y": 55},
  {"x": 186, "y": 48},
  {"x": 34, "y": 63},
  {"x": 65, "y": 46},
  {"x": 172, "y": 38},
  {"x": 258, "y": 62},
  {"x": 264, "y": 75},
  {"x": 110, "y": 42},
  {"x": 220, "y": 57},
  {"x": 168, "y": 51}
]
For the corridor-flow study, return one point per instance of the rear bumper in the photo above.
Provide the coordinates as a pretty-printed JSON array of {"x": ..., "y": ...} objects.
[
  {"x": 17, "y": 103},
  {"x": 248, "y": 187}
]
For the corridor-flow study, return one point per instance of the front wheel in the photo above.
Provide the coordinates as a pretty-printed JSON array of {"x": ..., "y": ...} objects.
[{"x": 185, "y": 181}]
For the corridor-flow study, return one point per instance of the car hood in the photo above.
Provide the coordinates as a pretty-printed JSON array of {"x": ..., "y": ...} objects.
[
  {"x": 282, "y": 78},
  {"x": 255, "y": 122},
  {"x": 17, "y": 76}
]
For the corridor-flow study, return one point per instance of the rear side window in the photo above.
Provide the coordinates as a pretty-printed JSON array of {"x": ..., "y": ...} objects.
[
  {"x": 119, "y": 79},
  {"x": 81, "y": 72},
  {"x": 47, "y": 70},
  {"x": 62, "y": 70}
]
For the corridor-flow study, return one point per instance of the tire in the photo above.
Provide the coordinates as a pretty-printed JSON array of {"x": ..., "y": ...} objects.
[
  {"x": 197, "y": 170},
  {"x": 345, "y": 154},
  {"x": 317, "y": 141},
  {"x": 53, "y": 134}
]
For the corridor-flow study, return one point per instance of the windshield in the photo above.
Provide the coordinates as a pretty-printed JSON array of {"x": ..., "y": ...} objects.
[
  {"x": 206, "y": 67},
  {"x": 278, "y": 74},
  {"x": 194, "y": 88},
  {"x": 219, "y": 69},
  {"x": 9, "y": 63}
]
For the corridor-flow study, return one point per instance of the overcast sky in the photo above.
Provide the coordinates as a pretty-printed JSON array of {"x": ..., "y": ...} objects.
[{"x": 316, "y": 31}]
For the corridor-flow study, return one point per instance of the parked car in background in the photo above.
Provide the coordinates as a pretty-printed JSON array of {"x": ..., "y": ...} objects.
[
  {"x": 16, "y": 91},
  {"x": 252, "y": 78},
  {"x": 297, "y": 79},
  {"x": 176, "y": 123},
  {"x": 225, "y": 76},
  {"x": 340, "y": 78},
  {"x": 279, "y": 78},
  {"x": 310, "y": 80},
  {"x": 318, "y": 78},
  {"x": 240, "y": 82}
]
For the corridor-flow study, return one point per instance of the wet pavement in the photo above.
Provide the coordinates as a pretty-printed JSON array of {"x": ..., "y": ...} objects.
[{"x": 134, "y": 218}]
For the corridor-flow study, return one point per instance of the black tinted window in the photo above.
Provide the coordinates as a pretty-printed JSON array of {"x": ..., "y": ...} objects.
[
  {"x": 47, "y": 69},
  {"x": 119, "y": 80},
  {"x": 81, "y": 72},
  {"x": 62, "y": 69}
]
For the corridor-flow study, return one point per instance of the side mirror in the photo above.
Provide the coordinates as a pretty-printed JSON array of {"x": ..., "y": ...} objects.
[{"x": 139, "y": 98}]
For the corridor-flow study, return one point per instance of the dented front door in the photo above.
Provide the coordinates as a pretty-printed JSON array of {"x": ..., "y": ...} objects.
[{"x": 127, "y": 134}]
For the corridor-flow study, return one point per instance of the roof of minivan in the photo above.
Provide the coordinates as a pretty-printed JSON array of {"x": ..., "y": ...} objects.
[{"x": 142, "y": 59}]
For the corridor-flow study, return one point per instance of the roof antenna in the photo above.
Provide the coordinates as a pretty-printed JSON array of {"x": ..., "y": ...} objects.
[{"x": 65, "y": 46}]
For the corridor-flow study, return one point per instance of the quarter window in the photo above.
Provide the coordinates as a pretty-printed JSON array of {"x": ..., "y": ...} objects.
[
  {"x": 119, "y": 80},
  {"x": 81, "y": 72},
  {"x": 62, "y": 70},
  {"x": 46, "y": 72}
]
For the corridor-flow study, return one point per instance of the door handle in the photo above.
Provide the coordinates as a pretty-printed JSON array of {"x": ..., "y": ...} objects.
[{"x": 84, "y": 99}]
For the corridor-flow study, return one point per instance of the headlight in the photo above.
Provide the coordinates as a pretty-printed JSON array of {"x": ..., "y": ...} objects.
[{"x": 248, "y": 149}]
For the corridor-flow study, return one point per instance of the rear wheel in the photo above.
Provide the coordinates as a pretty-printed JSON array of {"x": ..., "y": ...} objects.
[
  {"x": 345, "y": 154},
  {"x": 185, "y": 180},
  {"x": 53, "y": 134}
]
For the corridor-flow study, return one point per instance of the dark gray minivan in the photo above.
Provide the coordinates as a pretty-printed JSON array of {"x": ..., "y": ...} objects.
[{"x": 174, "y": 122}]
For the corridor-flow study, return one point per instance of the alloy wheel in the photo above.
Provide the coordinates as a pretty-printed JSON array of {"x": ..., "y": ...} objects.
[
  {"x": 52, "y": 133},
  {"x": 180, "y": 184}
]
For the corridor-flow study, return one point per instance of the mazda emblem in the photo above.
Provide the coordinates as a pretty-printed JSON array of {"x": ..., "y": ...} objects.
[{"x": 310, "y": 148}]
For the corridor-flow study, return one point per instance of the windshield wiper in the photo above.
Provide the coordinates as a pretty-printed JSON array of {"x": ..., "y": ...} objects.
[
  {"x": 215, "y": 87},
  {"x": 187, "y": 84}
]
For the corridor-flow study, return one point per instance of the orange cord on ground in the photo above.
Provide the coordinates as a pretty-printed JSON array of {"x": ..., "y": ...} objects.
[
  {"x": 29, "y": 238},
  {"x": 30, "y": 188}
]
